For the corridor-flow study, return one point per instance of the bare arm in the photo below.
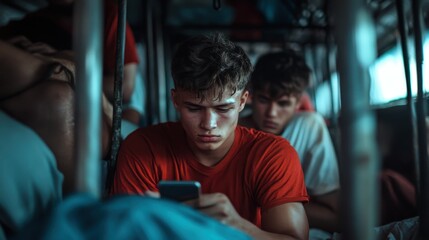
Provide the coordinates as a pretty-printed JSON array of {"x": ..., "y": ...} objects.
[
  {"x": 130, "y": 71},
  {"x": 323, "y": 212},
  {"x": 287, "y": 221},
  {"x": 24, "y": 68}
]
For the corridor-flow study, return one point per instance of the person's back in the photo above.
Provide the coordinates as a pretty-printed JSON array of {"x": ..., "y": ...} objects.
[
  {"x": 30, "y": 181},
  {"x": 309, "y": 136}
]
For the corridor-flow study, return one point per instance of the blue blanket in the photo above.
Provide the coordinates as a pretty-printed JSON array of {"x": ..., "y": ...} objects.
[{"x": 126, "y": 217}]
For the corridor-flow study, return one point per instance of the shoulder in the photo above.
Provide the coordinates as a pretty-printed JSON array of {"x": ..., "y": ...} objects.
[
  {"x": 148, "y": 145},
  {"x": 160, "y": 133},
  {"x": 309, "y": 118},
  {"x": 266, "y": 153},
  {"x": 306, "y": 121},
  {"x": 263, "y": 142}
]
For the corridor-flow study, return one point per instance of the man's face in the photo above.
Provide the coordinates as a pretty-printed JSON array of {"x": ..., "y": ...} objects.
[
  {"x": 272, "y": 115},
  {"x": 209, "y": 124}
]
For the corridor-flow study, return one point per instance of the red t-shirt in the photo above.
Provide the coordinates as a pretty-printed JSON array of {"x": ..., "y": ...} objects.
[
  {"x": 259, "y": 172},
  {"x": 110, "y": 31}
]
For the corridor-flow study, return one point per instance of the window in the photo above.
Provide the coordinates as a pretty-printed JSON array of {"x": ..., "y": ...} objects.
[{"x": 388, "y": 77}]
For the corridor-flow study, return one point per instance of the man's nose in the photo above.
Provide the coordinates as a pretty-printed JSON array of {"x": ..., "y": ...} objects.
[
  {"x": 272, "y": 110},
  {"x": 209, "y": 120}
]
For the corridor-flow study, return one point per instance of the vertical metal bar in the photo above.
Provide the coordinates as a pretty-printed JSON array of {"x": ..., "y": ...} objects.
[
  {"x": 333, "y": 118},
  {"x": 421, "y": 123},
  {"x": 163, "y": 93},
  {"x": 117, "y": 104},
  {"x": 87, "y": 42},
  {"x": 355, "y": 35},
  {"x": 152, "y": 93},
  {"x": 328, "y": 41},
  {"x": 318, "y": 73},
  {"x": 310, "y": 57},
  {"x": 171, "y": 111},
  {"x": 402, "y": 25}
]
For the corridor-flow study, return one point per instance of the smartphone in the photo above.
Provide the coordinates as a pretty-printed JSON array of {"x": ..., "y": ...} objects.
[{"x": 179, "y": 190}]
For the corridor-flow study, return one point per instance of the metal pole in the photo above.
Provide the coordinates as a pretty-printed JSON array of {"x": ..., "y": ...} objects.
[
  {"x": 356, "y": 39},
  {"x": 333, "y": 118},
  {"x": 328, "y": 41},
  {"x": 402, "y": 25},
  {"x": 421, "y": 124},
  {"x": 117, "y": 105},
  {"x": 152, "y": 86},
  {"x": 87, "y": 42},
  {"x": 163, "y": 92},
  {"x": 311, "y": 60},
  {"x": 171, "y": 111}
]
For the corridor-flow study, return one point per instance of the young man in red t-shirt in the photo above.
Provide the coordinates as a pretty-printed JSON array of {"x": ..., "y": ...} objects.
[{"x": 250, "y": 180}]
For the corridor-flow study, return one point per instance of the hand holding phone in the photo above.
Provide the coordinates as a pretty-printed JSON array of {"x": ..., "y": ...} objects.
[{"x": 179, "y": 190}]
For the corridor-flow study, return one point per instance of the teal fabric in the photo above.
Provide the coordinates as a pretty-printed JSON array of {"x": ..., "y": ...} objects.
[
  {"x": 30, "y": 182},
  {"x": 126, "y": 217},
  {"x": 127, "y": 127}
]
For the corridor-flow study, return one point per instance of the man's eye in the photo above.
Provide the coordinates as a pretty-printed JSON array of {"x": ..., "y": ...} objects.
[
  {"x": 223, "y": 110},
  {"x": 284, "y": 104},
  {"x": 193, "y": 109}
]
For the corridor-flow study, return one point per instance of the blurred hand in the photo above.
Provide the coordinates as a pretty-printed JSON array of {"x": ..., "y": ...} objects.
[
  {"x": 152, "y": 194},
  {"x": 218, "y": 206},
  {"x": 37, "y": 47}
]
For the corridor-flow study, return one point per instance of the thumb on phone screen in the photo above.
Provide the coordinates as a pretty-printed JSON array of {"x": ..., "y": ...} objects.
[{"x": 152, "y": 194}]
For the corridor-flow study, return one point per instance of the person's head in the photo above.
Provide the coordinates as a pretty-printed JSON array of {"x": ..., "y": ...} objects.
[
  {"x": 276, "y": 85},
  {"x": 210, "y": 74}
]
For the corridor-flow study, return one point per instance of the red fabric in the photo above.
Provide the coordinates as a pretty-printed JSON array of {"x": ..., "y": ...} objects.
[
  {"x": 110, "y": 29},
  {"x": 259, "y": 172},
  {"x": 305, "y": 105},
  {"x": 398, "y": 197}
]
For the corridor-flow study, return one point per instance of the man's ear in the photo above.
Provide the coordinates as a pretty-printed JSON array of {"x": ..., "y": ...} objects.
[
  {"x": 249, "y": 98},
  {"x": 174, "y": 97},
  {"x": 243, "y": 99}
]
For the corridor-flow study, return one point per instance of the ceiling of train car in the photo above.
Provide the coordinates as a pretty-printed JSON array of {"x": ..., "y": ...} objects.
[
  {"x": 301, "y": 21},
  {"x": 247, "y": 20},
  {"x": 278, "y": 20},
  {"x": 385, "y": 17}
]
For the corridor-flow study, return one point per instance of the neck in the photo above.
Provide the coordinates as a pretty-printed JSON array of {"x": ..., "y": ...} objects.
[
  {"x": 248, "y": 122},
  {"x": 211, "y": 158}
]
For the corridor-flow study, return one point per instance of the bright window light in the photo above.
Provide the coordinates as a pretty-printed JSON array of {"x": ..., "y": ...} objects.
[{"x": 388, "y": 77}]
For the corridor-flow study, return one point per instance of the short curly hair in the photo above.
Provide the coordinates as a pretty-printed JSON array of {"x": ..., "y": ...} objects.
[
  {"x": 210, "y": 64},
  {"x": 280, "y": 73}
]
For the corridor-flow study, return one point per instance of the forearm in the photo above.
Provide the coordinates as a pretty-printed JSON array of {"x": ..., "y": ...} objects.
[
  {"x": 130, "y": 71},
  {"x": 18, "y": 69},
  {"x": 131, "y": 115},
  {"x": 286, "y": 221},
  {"x": 257, "y": 233},
  {"x": 322, "y": 217}
]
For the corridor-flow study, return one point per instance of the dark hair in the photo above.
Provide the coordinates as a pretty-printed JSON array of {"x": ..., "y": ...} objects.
[
  {"x": 209, "y": 65},
  {"x": 280, "y": 73}
]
